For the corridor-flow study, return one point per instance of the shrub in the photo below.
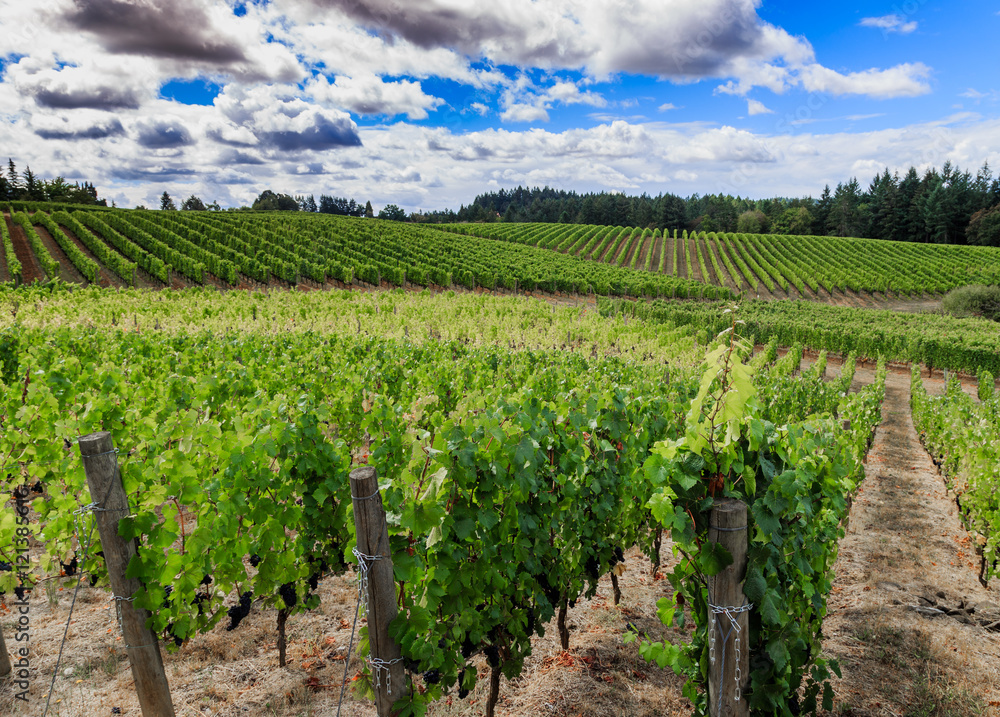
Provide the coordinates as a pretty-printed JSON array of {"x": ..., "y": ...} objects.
[{"x": 974, "y": 300}]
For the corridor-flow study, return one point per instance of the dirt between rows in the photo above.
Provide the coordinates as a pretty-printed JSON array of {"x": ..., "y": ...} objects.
[{"x": 899, "y": 618}]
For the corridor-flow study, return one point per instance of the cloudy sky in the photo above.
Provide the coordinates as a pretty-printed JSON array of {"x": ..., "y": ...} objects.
[{"x": 426, "y": 103}]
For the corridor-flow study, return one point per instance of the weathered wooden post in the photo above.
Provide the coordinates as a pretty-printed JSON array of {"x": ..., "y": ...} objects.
[
  {"x": 5, "y": 666},
  {"x": 729, "y": 666},
  {"x": 111, "y": 503},
  {"x": 378, "y": 588}
]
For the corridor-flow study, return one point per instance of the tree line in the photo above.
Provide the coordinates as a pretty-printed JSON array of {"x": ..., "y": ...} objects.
[
  {"x": 946, "y": 206},
  {"x": 269, "y": 200},
  {"x": 27, "y": 187}
]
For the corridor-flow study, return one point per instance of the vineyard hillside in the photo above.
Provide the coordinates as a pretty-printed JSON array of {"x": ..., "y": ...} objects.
[
  {"x": 830, "y": 269},
  {"x": 123, "y": 247}
]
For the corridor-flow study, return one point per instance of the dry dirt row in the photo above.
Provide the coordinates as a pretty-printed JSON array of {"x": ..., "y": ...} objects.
[{"x": 905, "y": 562}]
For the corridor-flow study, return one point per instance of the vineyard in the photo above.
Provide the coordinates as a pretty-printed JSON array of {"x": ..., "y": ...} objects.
[
  {"x": 212, "y": 424},
  {"x": 773, "y": 266},
  {"x": 237, "y": 250},
  {"x": 231, "y": 250},
  {"x": 936, "y": 341},
  {"x": 525, "y": 451}
]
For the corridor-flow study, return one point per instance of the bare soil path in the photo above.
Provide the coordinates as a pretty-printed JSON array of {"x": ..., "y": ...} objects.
[
  {"x": 905, "y": 563},
  {"x": 67, "y": 271},
  {"x": 30, "y": 269}
]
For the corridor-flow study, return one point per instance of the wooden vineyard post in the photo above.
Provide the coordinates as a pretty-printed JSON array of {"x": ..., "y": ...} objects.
[
  {"x": 111, "y": 503},
  {"x": 375, "y": 566},
  {"x": 729, "y": 666},
  {"x": 5, "y": 666}
]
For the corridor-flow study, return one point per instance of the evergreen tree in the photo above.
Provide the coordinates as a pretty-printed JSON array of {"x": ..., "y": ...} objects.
[
  {"x": 166, "y": 203},
  {"x": 369, "y": 212},
  {"x": 883, "y": 194},
  {"x": 822, "y": 213},
  {"x": 32, "y": 189},
  {"x": 845, "y": 218},
  {"x": 933, "y": 213},
  {"x": 13, "y": 178},
  {"x": 981, "y": 188}
]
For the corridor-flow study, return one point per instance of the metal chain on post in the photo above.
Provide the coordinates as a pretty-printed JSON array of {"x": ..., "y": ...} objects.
[
  {"x": 732, "y": 612},
  {"x": 364, "y": 564},
  {"x": 728, "y": 609}
]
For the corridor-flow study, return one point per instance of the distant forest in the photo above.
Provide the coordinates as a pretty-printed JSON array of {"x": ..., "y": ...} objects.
[
  {"x": 25, "y": 186},
  {"x": 949, "y": 206}
]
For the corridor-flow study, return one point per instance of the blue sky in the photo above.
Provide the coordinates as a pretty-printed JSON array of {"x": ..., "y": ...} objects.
[{"x": 426, "y": 103}]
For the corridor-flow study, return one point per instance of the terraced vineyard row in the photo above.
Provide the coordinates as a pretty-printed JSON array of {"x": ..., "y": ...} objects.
[
  {"x": 776, "y": 265},
  {"x": 233, "y": 250}
]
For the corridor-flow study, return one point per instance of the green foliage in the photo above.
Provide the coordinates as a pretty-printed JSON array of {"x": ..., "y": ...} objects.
[
  {"x": 13, "y": 265},
  {"x": 975, "y": 300},
  {"x": 781, "y": 261},
  {"x": 962, "y": 437},
  {"x": 796, "y": 478},
  {"x": 392, "y": 213},
  {"x": 934, "y": 340},
  {"x": 984, "y": 227},
  {"x": 986, "y": 385},
  {"x": 112, "y": 259},
  {"x": 80, "y": 260}
]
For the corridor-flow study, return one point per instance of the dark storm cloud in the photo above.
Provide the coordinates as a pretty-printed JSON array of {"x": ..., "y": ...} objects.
[
  {"x": 237, "y": 157},
  {"x": 218, "y": 136},
  {"x": 134, "y": 174},
  {"x": 689, "y": 38},
  {"x": 163, "y": 135},
  {"x": 98, "y": 131},
  {"x": 98, "y": 98},
  {"x": 178, "y": 29},
  {"x": 429, "y": 25},
  {"x": 324, "y": 134}
]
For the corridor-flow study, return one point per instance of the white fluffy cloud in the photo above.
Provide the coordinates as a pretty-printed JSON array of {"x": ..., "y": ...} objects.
[
  {"x": 281, "y": 120},
  {"x": 907, "y": 80},
  {"x": 524, "y": 101},
  {"x": 756, "y": 107},
  {"x": 302, "y": 79},
  {"x": 890, "y": 23},
  {"x": 370, "y": 95}
]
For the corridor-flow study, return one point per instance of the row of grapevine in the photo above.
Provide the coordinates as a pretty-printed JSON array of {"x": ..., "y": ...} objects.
[
  {"x": 111, "y": 259},
  {"x": 781, "y": 262},
  {"x": 13, "y": 265},
  {"x": 731, "y": 447},
  {"x": 289, "y": 247},
  {"x": 933, "y": 340},
  {"x": 49, "y": 265},
  {"x": 964, "y": 437},
  {"x": 152, "y": 265},
  {"x": 173, "y": 258},
  {"x": 194, "y": 260},
  {"x": 80, "y": 260}
]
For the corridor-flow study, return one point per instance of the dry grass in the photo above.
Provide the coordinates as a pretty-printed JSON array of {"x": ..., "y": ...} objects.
[{"x": 236, "y": 673}]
